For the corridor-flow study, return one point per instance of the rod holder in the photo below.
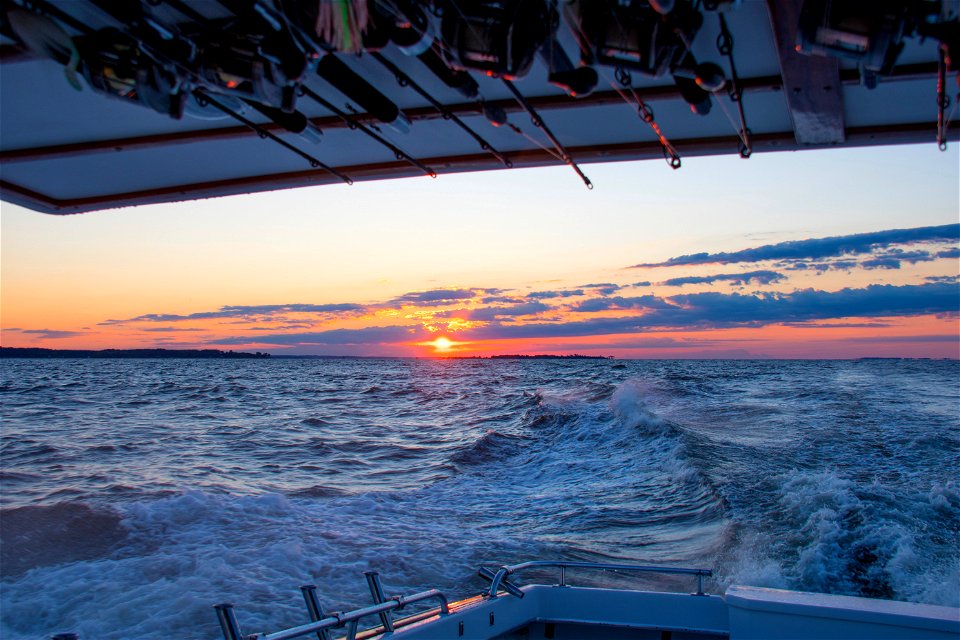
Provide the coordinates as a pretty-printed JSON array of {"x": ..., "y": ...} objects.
[
  {"x": 228, "y": 621},
  {"x": 376, "y": 590},
  {"x": 310, "y": 598}
]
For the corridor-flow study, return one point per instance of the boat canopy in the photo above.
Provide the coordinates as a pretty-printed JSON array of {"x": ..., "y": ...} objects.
[{"x": 110, "y": 104}]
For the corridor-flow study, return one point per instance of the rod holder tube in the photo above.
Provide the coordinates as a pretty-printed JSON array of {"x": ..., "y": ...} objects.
[
  {"x": 510, "y": 588},
  {"x": 376, "y": 590},
  {"x": 310, "y": 598},
  {"x": 228, "y": 621},
  {"x": 563, "y": 576}
]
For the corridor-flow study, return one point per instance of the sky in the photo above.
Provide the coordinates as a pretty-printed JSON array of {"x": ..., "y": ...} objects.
[{"x": 818, "y": 254}]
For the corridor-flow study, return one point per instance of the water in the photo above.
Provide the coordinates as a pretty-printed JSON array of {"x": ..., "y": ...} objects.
[{"x": 137, "y": 493}]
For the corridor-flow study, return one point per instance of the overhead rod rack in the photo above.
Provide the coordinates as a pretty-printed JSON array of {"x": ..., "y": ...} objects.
[
  {"x": 204, "y": 98},
  {"x": 404, "y": 80},
  {"x": 540, "y": 124},
  {"x": 354, "y": 123}
]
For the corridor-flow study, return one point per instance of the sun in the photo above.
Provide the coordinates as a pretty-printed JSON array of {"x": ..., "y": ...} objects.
[{"x": 442, "y": 344}]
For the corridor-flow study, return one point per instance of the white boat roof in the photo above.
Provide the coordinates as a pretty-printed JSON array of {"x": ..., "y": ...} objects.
[{"x": 69, "y": 151}]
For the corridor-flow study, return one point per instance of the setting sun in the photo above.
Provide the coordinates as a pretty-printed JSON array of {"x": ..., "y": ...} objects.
[{"x": 442, "y": 344}]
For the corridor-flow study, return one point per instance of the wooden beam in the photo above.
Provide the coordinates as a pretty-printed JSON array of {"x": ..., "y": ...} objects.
[{"x": 811, "y": 83}]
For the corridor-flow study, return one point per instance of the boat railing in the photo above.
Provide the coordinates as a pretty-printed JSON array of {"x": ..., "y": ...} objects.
[
  {"x": 321, "y": 623},
  {"x": 499, "y": 580}
]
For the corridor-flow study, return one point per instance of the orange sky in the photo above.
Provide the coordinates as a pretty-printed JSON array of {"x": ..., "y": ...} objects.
[{"x": 517, "y": 262}]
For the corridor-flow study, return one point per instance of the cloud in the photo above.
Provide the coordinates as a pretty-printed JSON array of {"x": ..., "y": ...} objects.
[
  {"x": 244, "y": 311},
  {"x": 440, "y": 297},
  {"x": 169, "y": 329},
  {"x": 367, "y": 335},
  {"x": 544, "y": 295},
  {"x": 488, "y": 314},
  {"x": 500, "y": 300},
  {"x": 819, "y": 267},
  {"x": 51, "y": 334},
  {"x": 714, "y": 310},
  {"x": 619, "y": 303},
  {"x": 949, "y": 253},
  {"x": 603, "y": 288},
  {"x": 818, "y": 248},
  {"x": 944, "y": 279},
  {"x": 750, "y": 277}
]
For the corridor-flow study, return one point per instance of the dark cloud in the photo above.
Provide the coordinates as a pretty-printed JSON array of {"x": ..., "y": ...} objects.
[
  {"x": 894, "y": 259},
  {"x": 440, "y": 297},
  {"x": 750, "y": 277},
  {"x": 367, "y": 335},
  {"x": 544, "y": 295},
  {"x": 644, "y": 283},
  {"x": 603, "y": 288},
  {"x": 819, "y": 267},
  {"x": 489, "y": 314},
  {"x": 911, "y": 257},
  {"x": 170, "y": 329},
  {"x": 881, "y": 263},
  {"x": 619, "y": 303},
  {"x": 944, "y": 279},
  {"x": 51, "y": 334},
  {"x": 818, "y": 248},
  {"x": 244, "y": 311},
  {"x": 712, "y": 310},
  {"x": 949, "y": 253},
  {"x": 500, "y": 300}
]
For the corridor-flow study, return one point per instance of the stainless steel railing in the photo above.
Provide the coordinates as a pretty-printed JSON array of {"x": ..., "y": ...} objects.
[
  {"x": 499, "y": 579},
  {"x": 322, "y": 623}
]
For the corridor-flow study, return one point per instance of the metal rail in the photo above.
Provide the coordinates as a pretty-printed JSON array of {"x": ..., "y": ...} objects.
[
  {"x": 231, "y": 627},
  {"x": 500, "y": 578}
]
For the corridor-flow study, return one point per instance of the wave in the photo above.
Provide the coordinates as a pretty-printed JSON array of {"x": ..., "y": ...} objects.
[
  {"x": 40, "y": 536},
  {"x": 830, "y": 534},
  {"x": 489, "y": 447}
]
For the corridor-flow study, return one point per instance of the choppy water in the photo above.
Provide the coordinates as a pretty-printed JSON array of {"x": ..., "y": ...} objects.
[{"x": 137, "y": 493}]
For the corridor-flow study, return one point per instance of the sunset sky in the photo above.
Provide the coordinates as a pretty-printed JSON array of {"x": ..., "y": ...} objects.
[{"x": 844, "y": 253}]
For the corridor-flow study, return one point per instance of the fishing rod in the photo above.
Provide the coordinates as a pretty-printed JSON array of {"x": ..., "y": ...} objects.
[
  {"x": 540, "y": 124},
  {"x": 333, "y": 69},
  {"x": 354, "y": 123},
  {"x": 204, "y": 98},
  {"x": 404, "y": 80},
  {"x": 725, "y": 47},
  {"x": 132, "y": 18}
]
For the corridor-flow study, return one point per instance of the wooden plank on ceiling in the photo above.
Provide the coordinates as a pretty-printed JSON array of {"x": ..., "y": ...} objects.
[{"x": 811, "y": 83}]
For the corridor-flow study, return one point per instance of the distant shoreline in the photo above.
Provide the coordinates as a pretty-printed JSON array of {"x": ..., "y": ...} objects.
[
  {"x": 215, "y": 354},
  {"x": 205, "y": 354}
]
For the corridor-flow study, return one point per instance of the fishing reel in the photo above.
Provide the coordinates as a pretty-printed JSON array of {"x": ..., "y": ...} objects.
[
  {"x": 241, "y": 63},
  {"x": 647, "y": 36},
  {"x": 871, "y": 32},
  {"x": 498, "y": 38},
  {"x": 112, "y": 63}
]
